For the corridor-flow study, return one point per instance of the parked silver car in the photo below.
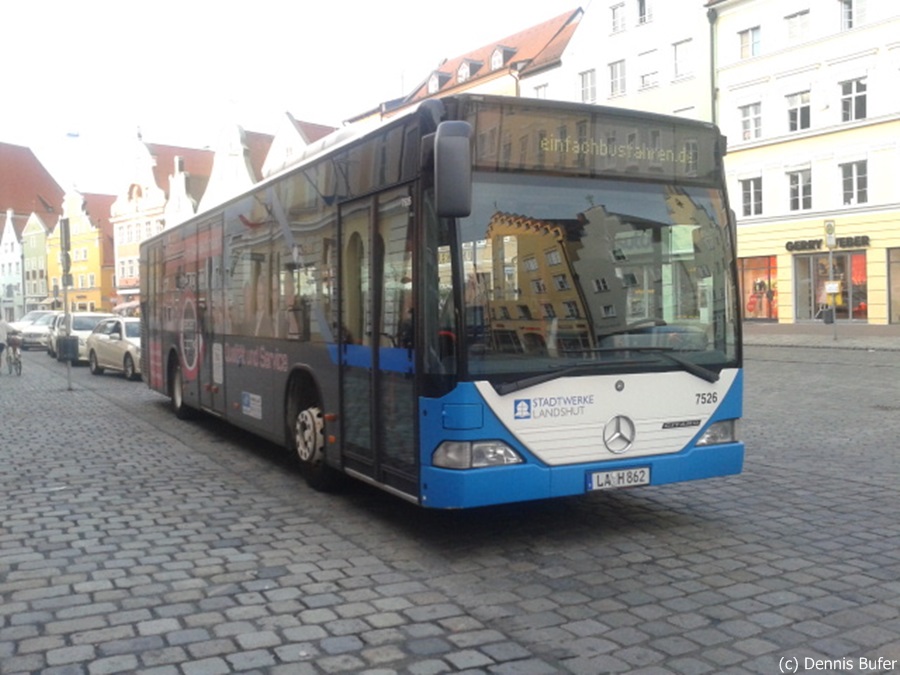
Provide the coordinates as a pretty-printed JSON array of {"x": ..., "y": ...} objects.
[{"x": 115, "y": 344}]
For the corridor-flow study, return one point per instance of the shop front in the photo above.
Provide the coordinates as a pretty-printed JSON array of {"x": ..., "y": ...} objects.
[{"x": 799, "y": 272}]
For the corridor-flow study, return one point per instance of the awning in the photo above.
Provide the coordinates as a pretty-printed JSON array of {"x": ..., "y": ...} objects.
[
  {"x": 126, "y": 306},
  {"x": 47, "y": 301}
]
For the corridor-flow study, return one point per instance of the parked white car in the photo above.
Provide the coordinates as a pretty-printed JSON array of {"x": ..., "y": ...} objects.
[
  {"x": 34, "y": 335},
  {"x": 80, "y": 325},
  {"x": 115, "y": 344}
]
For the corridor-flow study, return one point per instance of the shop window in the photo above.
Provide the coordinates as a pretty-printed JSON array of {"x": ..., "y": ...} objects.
[
  {"x": 759, "y": 287},
  {"x": 813, "y": 279}
]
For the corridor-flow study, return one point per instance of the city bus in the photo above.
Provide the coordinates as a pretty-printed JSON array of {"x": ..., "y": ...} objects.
[{"x": 479, "y": 301}]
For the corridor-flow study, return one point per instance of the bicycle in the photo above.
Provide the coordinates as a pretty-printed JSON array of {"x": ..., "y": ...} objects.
[{"x": 14, "y": 354}]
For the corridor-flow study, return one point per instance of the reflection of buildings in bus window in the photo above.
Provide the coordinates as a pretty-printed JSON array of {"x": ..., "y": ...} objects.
[{"x": 533, "y": 283}]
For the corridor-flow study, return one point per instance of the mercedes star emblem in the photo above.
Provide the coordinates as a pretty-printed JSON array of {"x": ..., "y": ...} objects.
[{"x": 618, "y": 434}]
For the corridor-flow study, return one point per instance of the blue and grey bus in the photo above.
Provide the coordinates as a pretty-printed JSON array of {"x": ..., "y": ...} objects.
[{"x": 479, "y": 301}]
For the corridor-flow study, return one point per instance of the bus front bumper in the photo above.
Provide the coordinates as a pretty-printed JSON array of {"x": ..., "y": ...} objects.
[{"x": 460, "y": 489}]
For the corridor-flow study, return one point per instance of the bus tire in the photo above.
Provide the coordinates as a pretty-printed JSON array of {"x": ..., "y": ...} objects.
[
  {"x": 306, "y": 441},
  {"x": 176, "y": 391}
]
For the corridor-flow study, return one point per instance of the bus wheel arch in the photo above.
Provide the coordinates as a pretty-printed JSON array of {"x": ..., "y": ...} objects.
[{"x": 305, "y": 431}]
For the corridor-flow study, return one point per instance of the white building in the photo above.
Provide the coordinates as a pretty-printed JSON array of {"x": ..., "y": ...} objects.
[
  {"x": 644, "y": 54},
  {"x": 808, "y": 101}
]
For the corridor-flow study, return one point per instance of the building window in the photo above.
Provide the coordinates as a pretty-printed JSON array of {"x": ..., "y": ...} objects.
[
  {"x": 647, "y": 62},
  {"x": 751, "y": 191},
  {"x": 852, "y": 13},
  {"x": 751, "y": 121},
  {"x": 645, "y": 11},
  {"x": 853, "y": 100},
  {"x": 588, "y": 86},
  {"x": 798, "y": 26},
  {"x": 618, "y": 17},
  {"x": 749, "y": 42},
  {"x": 682, "y": 58},
  {"x": 617, "y": 78},
  {"x": 561, "y": 281},
  {"x": 800, "y": 183},
  {"x": 462, "y": 73},
  {"x": 553, "y": 257},
  {"x": 855, "y": 182},
  {"x": 798, "y": 111}
]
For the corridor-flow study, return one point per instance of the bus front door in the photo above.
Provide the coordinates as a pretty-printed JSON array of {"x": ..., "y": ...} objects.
[{"x": 378, "y": 394}]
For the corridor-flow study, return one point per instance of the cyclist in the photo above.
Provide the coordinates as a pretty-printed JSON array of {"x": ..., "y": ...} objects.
[{"x": 5, "y": 330}]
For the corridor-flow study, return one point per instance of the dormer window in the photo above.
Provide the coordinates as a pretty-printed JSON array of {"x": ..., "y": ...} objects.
[
  {"x": 467, "y": 70},
  {"x": 500, "y": 56},
  {"x": 436, "y": 81}
]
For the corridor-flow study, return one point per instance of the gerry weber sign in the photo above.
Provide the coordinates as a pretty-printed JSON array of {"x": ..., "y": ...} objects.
[{"x": 860, "y": 241}]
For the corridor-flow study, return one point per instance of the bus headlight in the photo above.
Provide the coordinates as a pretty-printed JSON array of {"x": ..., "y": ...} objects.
[
  {"x": 473, "y": 455},
  {"x": 720, "y": 432}
]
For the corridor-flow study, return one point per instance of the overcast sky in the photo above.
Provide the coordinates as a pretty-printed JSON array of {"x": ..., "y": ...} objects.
[{"x": 80, "y": 77}]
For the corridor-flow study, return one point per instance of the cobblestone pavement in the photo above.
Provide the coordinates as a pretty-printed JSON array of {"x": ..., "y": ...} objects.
[{"x": 133, "y": 542}]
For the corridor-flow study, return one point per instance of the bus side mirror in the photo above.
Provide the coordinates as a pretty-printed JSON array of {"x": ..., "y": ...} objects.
[{"x": 453, "y": 169}]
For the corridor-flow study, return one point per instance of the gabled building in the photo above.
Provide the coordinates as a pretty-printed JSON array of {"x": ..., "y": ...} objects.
[
  {"x": 26, "y": 188},
  {"x": 91, "y": 253},
  {"x": 163, "y": 182},
  {"x": 38, "y": 291},
  {"x": 237, "y": 165},
  {"x": 291, "y": 138}
]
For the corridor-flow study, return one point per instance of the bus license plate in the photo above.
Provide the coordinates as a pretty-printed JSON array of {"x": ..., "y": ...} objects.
[{"x": 609, "y": 480}]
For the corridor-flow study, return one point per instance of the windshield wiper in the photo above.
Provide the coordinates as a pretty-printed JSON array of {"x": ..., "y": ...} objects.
[
  {"x": 693, "y": 368},
  {"x": 505, "y": 388},
  {"x": 689, "y": 366}
]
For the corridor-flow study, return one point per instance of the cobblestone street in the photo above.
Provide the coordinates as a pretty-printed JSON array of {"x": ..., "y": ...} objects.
[{"x": 133, "y": 542}]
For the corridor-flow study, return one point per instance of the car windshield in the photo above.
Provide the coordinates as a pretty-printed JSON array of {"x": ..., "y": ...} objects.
[
  {"x": 593, "y": 274},
  {"x": 44, "y": 320}
]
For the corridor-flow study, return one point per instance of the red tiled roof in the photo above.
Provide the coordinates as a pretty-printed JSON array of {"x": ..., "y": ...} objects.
[
  {"x": 27, "y": 187},
  {"x": 310, "y": 131},
  {"x": 198, "y": 163},
  {"x": 538, "y": 45}
]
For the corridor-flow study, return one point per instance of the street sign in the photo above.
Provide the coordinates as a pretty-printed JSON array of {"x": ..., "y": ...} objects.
[{"x": 830, "y": 238}]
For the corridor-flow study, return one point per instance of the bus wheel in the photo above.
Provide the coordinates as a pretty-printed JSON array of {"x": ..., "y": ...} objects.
[
  {"x": 176, "y": 392},
  {"x": 307, "y": 436}
]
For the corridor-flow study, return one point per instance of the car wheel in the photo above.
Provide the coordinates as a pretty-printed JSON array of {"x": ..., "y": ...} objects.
[
  {"x": 92, "y": 362},
  {"x": 128, "y": 368}
]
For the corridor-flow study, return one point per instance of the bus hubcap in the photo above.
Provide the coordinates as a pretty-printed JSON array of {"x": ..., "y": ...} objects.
[{"x": 309, "y": 435}]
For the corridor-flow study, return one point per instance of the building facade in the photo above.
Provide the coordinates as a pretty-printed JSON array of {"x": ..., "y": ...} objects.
[
  {"x": 90, "y": 286},
  {"x": 807, "y": 98},
  {"x": 642, "y": 54}
]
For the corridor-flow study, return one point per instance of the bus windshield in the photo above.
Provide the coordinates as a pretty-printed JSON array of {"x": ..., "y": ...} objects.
[{"x": 594, "y": 274}]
